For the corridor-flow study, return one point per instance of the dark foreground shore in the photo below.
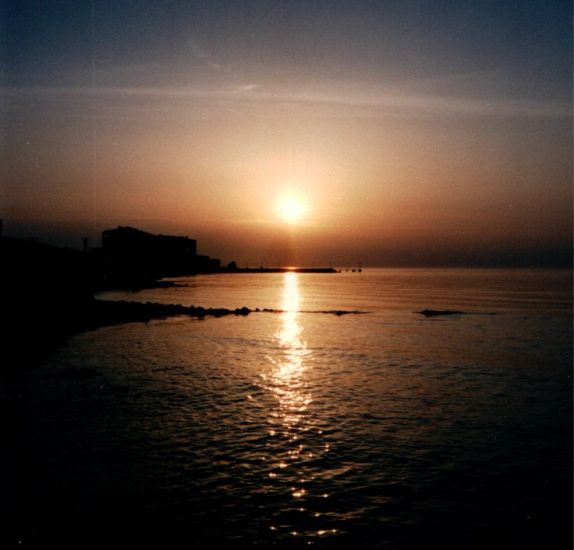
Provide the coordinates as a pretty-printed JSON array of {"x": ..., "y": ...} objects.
[{"x": 29, "y": 332}]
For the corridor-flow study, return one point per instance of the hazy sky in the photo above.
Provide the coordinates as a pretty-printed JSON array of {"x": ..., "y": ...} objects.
[{"x": 410, "y": 132}]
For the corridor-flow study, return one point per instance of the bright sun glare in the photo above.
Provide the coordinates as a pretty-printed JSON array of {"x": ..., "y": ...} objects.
[{"x": 291, "y": 208}]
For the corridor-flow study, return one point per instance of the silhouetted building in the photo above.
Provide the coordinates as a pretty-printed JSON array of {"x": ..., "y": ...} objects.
[{"x": 133, "y": 255}]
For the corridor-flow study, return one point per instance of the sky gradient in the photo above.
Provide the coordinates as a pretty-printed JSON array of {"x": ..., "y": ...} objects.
[{"x": 416, "y": 133}]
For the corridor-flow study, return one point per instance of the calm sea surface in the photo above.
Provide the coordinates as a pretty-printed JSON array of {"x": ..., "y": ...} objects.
[{"x": 381, "y": 429}]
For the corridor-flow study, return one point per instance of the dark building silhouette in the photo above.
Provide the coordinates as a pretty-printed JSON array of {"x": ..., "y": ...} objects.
[{"x": 130, "y": 254}]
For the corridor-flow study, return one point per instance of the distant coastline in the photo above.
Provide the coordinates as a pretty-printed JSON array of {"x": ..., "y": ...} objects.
[
  {"x": 282, "y": 270},
  {"x": 48, "y": 294}
]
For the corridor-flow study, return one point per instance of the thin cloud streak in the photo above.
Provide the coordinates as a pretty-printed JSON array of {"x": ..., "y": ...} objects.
[
  {"x": 393, "y": 101},
  {"x": 203, "y": 55}
]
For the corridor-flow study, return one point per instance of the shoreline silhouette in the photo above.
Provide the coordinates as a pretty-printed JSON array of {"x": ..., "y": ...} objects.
[{"x": 47, "y": 293}]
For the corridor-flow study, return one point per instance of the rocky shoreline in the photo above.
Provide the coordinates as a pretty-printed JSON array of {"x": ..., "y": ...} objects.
[{"x": 31, "y": 332}]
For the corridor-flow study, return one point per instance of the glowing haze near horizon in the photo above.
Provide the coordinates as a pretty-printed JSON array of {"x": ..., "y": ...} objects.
[{"x": 410, "y": 132}]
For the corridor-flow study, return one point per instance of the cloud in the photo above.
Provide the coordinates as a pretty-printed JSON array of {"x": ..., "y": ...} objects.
[
  {"x": 204, "y": 55},
  {"x": 383, "y": 101},
  {"x": 245, "y": 88}
]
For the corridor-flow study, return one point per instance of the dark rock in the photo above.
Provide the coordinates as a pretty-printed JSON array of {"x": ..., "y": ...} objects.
[{"x": 438, "y": 312}]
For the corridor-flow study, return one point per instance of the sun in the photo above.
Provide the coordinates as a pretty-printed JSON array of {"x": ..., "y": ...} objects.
[{"x": 291, "y": 208}]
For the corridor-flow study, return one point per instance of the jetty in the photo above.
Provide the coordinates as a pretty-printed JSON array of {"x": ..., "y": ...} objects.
[{"x": 282, "y": 270}]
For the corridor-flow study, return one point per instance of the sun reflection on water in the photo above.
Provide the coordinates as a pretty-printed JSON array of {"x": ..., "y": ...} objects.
[
  {"x": 294, "y": 433},
  {"x": 287, "y": 382},
  {"x": 291, "y": 364}
]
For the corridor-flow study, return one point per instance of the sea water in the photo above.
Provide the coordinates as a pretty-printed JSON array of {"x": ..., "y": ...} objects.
[{"x": 380, "y": 428}]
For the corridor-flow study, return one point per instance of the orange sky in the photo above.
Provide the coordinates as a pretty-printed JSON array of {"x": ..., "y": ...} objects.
[{"x": 406, "y": 148}]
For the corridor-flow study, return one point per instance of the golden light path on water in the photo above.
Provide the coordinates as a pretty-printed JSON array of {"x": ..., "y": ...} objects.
[
  {"x": 290, "y": 423},
  {"x": 287, "y": 375}
]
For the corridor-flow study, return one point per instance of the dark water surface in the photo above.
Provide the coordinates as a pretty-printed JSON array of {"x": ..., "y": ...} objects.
[{"x": 301, "y": 429}]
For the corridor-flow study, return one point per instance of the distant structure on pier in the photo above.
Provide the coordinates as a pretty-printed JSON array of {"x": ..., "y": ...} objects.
[{"x": 348, "y": 268}]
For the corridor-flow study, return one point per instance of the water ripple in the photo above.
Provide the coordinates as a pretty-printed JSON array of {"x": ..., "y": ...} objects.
[{"x": 296, "y": 430}]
